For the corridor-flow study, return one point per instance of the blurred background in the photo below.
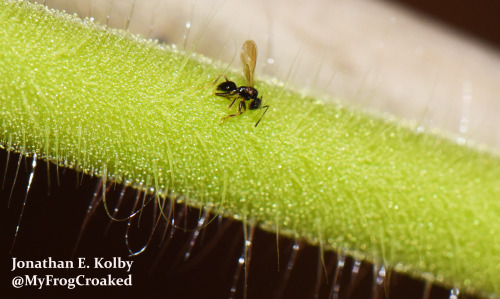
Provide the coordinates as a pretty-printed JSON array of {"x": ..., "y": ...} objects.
[{"x": 435, "y": 62}]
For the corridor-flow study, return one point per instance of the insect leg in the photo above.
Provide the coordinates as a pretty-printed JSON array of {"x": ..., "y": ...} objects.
[
  {"x": 226, "y": 94},
  {"x": 241, "y": 108},
  {"x": 233, "y": 103}
]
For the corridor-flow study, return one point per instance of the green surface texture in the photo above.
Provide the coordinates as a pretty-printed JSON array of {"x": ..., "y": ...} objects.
[{"x": 104, "y": 101}]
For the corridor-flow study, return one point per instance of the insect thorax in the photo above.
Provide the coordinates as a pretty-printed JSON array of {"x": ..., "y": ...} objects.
[{"x": 249, "y": 92}]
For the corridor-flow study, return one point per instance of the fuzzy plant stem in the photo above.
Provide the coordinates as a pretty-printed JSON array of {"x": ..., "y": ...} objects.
[{"x": 114, "y": 105}]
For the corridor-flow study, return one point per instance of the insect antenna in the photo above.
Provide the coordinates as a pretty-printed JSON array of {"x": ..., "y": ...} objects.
[{"x": 267, "y": 107}]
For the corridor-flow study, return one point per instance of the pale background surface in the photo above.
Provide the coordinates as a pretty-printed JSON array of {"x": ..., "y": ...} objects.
[{"x": 371, "y": 53}]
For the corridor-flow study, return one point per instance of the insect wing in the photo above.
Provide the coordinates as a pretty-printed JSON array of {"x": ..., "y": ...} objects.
[{"x": 248, "y": 60}]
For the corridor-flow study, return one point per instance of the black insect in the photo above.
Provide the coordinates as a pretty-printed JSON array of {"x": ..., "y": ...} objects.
[{"x": 231, "y": 91}]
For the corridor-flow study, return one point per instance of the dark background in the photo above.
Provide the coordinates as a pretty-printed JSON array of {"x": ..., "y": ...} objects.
[
  {"x": 478, "y": 19},
  {"x": 52, "y": 223}
]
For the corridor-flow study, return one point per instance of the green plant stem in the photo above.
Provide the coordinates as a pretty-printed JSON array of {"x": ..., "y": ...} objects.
[{"x": 130, "y": 110}]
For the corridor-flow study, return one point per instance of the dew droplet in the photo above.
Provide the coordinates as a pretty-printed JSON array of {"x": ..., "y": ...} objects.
[
  {"x": 354, "y": 275},
  {"x": 244, "y": 260},
  {"x": 379, "y": 274},
  {"x": 196, "y": 233},
  {"x": 117, "y": 207},
  {"x": 454, "y": 292},
  {"x": 336, "y": 277}
]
